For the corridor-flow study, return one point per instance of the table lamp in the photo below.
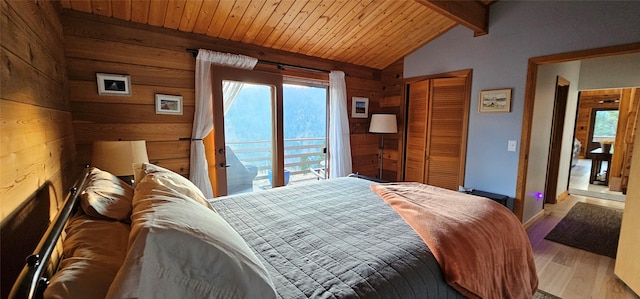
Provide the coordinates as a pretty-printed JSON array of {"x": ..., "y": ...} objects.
[
  {"x": 384, "y": 124},
  {"x": 117, "y": 157}
]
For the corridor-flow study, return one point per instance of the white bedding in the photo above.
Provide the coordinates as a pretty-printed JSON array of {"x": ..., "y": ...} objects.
[{"x": 180, "y": 248}]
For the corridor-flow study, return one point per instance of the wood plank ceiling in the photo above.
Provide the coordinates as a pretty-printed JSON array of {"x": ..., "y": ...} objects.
[{"x": 372, "y": 33}]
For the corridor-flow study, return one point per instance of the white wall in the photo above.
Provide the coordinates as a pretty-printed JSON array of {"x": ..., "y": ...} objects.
[
  {"x": 622, "y": 71},
  {"x": 518, "y": 30},
  {"x": 541, "y": 133}
]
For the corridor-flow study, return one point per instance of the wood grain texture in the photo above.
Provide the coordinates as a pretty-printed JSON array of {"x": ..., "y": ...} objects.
[
  {"x": 436, "y": 132},
  {"x": 372, "y": 33},
  {"x": 157, "y": 62},
  {"x": 38, "y": 144}
]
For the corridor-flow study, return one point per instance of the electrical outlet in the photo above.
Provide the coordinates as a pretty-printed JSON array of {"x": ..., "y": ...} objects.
[{"x": 512, "y": 145}]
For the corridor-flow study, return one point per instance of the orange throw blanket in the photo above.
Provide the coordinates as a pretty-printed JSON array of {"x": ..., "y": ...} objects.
[{"x": 481, "y": 246}]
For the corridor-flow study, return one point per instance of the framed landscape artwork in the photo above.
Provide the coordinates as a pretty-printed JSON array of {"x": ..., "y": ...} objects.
[
  {"x": 168, "y": 104},
  {"x": 495, "y": 101},
  {"x": 110, "y": 84},
  {"x": 359, "y": 107}
]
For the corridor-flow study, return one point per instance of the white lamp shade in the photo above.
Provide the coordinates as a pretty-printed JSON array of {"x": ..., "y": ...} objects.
[
  {"x": 383, "y": 123},
  {"x": 117, "y": 157}
]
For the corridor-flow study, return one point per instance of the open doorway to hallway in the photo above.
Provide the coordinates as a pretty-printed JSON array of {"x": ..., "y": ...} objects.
[{"x": 593, "y": 170}]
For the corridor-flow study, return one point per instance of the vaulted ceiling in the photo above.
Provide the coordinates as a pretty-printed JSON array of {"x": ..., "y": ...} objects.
[{"x": 372, "y": 33}]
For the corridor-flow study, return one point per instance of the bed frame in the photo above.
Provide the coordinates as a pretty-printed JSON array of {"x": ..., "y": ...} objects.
[{"x": 33, "y": 279}]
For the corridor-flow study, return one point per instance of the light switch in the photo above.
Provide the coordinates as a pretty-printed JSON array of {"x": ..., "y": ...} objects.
[{"x": 512, "y": 145}]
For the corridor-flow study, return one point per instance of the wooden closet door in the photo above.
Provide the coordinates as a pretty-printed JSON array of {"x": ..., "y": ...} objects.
[
  {"x": 437, "y": 116},
  {"x": 447, "y": 133},
  {"x": 417, "y": 131}
]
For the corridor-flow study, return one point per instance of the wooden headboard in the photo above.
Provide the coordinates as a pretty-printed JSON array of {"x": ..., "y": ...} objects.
[{"x": 28, "y": 241}]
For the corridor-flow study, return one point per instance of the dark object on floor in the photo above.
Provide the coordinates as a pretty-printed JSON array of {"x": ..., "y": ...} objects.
[
  {"x": 591, "y": 228},
  {"x": 501, "y": 199}
]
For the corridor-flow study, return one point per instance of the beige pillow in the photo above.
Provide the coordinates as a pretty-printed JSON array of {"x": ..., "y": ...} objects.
[
  {"x": 105, "y": 195},
  {"x": 94, "y": 250},
  {"x": 171, "y": 180},
  {"x": 180, "y": 249}
]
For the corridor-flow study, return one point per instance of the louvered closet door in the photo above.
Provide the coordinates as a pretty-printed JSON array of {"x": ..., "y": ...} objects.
[
  {"x": 437, "y": 131},
  {"x": 417, "y": 131},
  {"x": 447, "y": 134}
]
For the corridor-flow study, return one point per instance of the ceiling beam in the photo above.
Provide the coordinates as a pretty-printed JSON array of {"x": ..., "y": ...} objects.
[{"x": 472, "y": 14}]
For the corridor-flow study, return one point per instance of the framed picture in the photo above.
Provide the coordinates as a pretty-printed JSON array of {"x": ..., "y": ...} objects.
[
  {"x": 359, "y": 107},
  {"x": 495, "y": 101},
  {"x": 110, "y": 84},
  {"x": 167, "y": 104}
]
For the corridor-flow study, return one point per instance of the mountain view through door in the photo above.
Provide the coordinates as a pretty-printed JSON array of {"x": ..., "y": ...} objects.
[{"x": 248, "y": 135}]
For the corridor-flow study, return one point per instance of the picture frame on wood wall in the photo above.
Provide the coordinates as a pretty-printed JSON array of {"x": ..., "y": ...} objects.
[
  {"x": 495, "y": 101},
  {"x": 168, "y": 104},
  {"x": 359, "y": 107},
  {"x": 113, "y": 84}
]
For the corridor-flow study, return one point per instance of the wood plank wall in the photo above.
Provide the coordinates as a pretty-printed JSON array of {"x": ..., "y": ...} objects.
[
  {"x": 392, "y": 102},
  {"x": 37, "y": 147},
  {"x": 157, "y": 61}
]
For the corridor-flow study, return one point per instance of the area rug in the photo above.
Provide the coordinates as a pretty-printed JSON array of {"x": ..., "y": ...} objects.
[
  {"x": 544, "y": 295},
  {"x": 589, "y": 227}
]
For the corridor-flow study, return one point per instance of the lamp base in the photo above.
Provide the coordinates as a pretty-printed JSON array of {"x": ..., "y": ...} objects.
[{"x": 381, "y": 153}]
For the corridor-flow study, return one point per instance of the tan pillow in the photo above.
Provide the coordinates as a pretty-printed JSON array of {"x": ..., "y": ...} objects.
[
  {"x": 106, "y": 195},
  {"x": 94, "y": 250}
]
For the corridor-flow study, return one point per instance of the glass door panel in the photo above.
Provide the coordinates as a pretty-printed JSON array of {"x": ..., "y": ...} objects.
[
  {"x": 248, "y": 136},
  {"x": 305, "y": 132}
]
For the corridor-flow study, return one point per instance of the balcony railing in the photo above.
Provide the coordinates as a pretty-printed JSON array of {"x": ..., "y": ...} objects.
[{"x": 301, "y": 155}]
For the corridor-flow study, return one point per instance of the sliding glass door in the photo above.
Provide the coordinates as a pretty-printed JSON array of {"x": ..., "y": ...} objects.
[
  {"x": 305, "y": 131},
  {"x": 248, "y": 138}
]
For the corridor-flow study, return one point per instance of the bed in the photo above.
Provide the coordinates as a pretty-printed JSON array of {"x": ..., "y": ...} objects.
[{"x": 338, "y": 238}]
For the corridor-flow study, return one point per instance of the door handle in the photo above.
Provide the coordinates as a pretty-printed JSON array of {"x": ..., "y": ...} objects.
[{"x": 223, "y": 165}]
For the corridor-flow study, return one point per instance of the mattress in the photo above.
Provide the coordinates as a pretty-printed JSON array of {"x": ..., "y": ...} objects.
[{"x": 334, "y": 239}]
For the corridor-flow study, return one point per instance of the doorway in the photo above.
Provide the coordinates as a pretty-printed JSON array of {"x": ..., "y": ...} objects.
[
  {"x": 523, "y": 196},
  {"x": 596, "y": 124},
  {"x": 247, "y": 118},
  {"x": 269, "y": 131}
]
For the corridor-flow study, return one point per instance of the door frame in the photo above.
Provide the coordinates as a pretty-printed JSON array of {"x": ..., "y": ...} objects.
[
  {"x": 220, "y": 73},
  {"x": 555, "y": 144},
  {"x": 529, "y": 101}
]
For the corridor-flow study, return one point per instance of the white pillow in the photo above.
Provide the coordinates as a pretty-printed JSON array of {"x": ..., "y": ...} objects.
[
  {"x": 105, "y": 195},
  {"x": 171, "y": 180},
  {"x": 180, "y": 249},
  {"x": 93, "y": 251}
]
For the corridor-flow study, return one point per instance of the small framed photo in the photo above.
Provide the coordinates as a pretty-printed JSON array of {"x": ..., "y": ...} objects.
[
  {"x": 360, "y": 107},
  {"x": 495, "y": 101},
  {"x": 168, "y": 104},
  {"x": 110, "y": 84}
]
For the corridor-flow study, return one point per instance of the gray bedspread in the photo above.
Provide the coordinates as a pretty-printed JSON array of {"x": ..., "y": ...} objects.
[{"x": 335, "y": 239}]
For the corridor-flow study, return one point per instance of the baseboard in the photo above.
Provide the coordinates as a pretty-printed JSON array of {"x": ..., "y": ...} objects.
[
  {"x": 563, "y": 196},
  {"x": 533, "y": 219}
]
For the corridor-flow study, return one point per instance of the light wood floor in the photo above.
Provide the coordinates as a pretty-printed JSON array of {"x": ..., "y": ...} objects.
[{"x": 569, "y": 272}]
